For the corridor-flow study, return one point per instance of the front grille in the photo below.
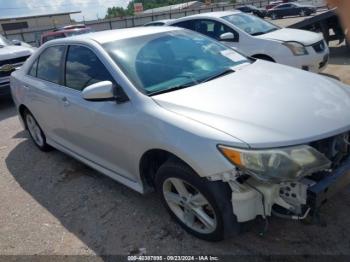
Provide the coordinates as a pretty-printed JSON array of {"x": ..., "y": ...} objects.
[
  {"x": 12, "y": 61},
  {"x": 7, "y": 73},
  {"x": 336, "y": 148},
  {"x": 319, "y": 47},
  {"x": 15, "y": 62}
]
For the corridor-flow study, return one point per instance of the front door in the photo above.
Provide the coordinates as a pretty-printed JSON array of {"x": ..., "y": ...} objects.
[{"x": 97, "y": 131}]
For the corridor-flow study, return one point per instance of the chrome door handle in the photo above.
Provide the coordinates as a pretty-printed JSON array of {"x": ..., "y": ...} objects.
[{"x": 65, "y": 101}]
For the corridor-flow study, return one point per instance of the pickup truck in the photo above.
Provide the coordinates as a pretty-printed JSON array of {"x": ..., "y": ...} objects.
[{"x": 12, "y": 56}]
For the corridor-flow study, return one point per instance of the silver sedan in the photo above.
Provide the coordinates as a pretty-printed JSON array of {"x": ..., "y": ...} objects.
[{"x": 221, "y": 137}]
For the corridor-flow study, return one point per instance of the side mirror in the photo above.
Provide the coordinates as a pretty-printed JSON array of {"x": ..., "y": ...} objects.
[
  {"x": 228, "y": 37},
  {"x": 16, "y": 42},
  {"x": 101, "y": 91}
]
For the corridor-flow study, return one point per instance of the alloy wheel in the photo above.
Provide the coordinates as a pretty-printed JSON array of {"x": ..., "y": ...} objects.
[
  {"x": 189, "y": 205},
  {"x": 35, "y": 130}
]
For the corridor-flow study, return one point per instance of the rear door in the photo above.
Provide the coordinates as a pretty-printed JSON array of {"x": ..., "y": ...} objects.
[
  {"x": 211, "y": 28},
  {"x": 281, "y": 10},
  {"x": 43, "y": 84}
]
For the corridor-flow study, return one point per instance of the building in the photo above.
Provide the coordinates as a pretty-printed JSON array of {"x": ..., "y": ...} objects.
[
  {"x": 34, "y": 22},
  {"x": 30, "y": 28},
  {"x": 169, "y": 8}
]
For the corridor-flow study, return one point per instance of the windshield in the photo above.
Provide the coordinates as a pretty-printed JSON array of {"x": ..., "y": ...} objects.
[
  {"x": 4, "y": 41},
  {"x": 165, "y": 61},
  {"x": 251, "y": 24}
]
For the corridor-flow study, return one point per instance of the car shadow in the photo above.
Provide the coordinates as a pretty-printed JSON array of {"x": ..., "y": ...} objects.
[
  {"x": 106, "y": 216},
  {"x": 7, "y": 108},
  {"x": 102, "y": 213}
]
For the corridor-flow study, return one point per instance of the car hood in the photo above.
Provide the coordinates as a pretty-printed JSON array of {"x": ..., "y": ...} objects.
[
  {"x": 9, "y": 52},
  {"x": 294, "y": 35},
  {"x": 266, "y": 105}
]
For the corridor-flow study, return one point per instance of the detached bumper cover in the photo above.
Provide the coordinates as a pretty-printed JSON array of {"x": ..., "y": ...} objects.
[{"x": 336, "y": 181}]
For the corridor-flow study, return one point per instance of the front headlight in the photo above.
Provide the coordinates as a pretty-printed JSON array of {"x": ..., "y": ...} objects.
[
  {"x": 297, "y": 49},
  {"x": 277, "y": 165}
]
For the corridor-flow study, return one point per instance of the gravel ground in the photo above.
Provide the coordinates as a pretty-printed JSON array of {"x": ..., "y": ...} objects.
[{"x": 51, "y": 204}]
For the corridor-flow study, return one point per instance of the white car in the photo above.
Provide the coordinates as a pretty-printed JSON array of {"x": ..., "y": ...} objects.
[
  {"x": 12, "y": 56},
  {"x": 158, "y": 22},
  {"x": 260, "y": 39}
]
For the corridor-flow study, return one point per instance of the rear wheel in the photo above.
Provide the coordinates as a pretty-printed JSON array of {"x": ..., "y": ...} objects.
[
  {"x": 36, "y": 132},
  {"x": 201, "y": 207}
]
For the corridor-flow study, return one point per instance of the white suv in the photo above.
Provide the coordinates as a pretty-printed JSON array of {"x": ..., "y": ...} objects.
[
  {"x": 260, "y": 39},
  {"x": 12, "y": 56}
]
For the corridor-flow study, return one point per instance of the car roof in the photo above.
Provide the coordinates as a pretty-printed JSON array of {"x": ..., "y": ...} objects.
[
  {"x": 62, "y": 31},
  {"x": 160, "y": 21},
  {"x": 218, "y": 14},
  {"x": 106, "y": 36}
]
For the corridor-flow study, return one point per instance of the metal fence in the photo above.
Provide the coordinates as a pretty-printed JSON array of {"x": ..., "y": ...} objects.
[{"x": 32, "y": 35}]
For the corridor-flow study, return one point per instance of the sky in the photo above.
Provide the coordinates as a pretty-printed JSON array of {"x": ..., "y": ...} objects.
[{"x": 91, "y": 9}]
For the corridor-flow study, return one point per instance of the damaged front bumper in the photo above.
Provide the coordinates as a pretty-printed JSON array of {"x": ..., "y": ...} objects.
[
  {"x": 337, "y": 180},
  {"x": 251, "y": 197}
]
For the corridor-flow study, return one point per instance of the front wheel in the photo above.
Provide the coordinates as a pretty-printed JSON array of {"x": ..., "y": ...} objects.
[
  {"x": 201, "y": 207},
  {"x": 303, "y": 13}
]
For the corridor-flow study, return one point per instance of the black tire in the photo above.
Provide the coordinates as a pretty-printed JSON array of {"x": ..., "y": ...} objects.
[
  {"x": 218, "y": 194},
  {"x": 42, "y": 146}
]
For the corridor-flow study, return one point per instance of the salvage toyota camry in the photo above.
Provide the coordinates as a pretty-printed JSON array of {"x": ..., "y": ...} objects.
[{"x": 222, "y": 138}]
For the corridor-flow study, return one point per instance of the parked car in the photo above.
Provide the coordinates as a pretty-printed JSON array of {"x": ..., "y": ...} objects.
[
  {"x": 253, "y": 10},
  {"x": 275, "y": 3},
  {"x": 158, "y": 22},
  {"x": 260, "y": 39},
  {"x": 11, "y": 57},
  {"x": 291, "y": 9},
  {"x": 65, "y": 31},
  {"x": 223, "y": 138}
]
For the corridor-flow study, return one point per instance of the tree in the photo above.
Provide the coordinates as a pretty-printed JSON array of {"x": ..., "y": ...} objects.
[{"x": 117, "y": 12}]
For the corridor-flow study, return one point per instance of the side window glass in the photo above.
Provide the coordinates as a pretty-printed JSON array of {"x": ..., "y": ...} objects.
[
  {"x": 33, "y": 69},
  {"x": 204, "y": 27},
  {"x": 49, "y": 65},
  {"x": 185, "y": 24},
  {"x": 83, "y": 68},
  {"x": 213, "y": 29}
]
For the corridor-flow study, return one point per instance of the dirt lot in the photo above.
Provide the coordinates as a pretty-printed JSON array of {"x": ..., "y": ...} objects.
[{"x": 51, "y": 204}]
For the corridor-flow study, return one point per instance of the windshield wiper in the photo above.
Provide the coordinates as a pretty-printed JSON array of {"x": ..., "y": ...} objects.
[
  {"x": 222, "y": 73},
  {"x": 259, "y": 33},
  {"x": 173, "y": 88},
  {"x": 262, "y": 33}
]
